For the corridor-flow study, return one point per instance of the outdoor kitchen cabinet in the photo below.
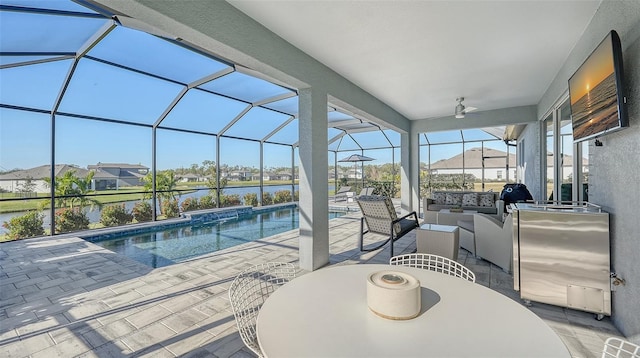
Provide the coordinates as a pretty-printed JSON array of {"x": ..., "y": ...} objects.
[{"x": 561, "y": 256}]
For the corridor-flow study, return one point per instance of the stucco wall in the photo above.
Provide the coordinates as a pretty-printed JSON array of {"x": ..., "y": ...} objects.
[
  {"x": 614, "y": 183},
  {"x": 614, "y": 168}
]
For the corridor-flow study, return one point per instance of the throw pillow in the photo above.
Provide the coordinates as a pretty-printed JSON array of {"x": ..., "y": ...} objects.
[
  {"x": 453, "y": 199},
  {"x": 439, "y": 198},
  {"x": 487, "y": 200},
  {"x": 470, "y": 199}
]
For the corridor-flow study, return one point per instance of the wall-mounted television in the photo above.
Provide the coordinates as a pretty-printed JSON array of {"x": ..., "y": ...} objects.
[{"x": 596, "y": 91}]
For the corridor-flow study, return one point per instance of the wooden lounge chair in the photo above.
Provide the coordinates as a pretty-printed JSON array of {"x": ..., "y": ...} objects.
[
  {"x": 380, "y": 215},
  {"x": 342, "y": 193}
]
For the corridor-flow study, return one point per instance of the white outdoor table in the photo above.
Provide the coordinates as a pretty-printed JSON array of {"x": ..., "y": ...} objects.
[{"x": 325, "y": 314}]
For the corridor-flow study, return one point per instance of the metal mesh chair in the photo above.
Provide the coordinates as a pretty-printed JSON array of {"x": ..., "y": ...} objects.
[
  {"x": 434, "y": 263},
  {"x": 381, "y": 218},
  {"x": 366, "y": 191},
  {"x": 619, "y": 348},
  {"x": 248, "y": 292},
  {"x": 341, "y": 193}
]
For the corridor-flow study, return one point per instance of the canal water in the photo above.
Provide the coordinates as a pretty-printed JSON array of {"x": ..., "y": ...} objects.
[{"x": 94, "y": 215}]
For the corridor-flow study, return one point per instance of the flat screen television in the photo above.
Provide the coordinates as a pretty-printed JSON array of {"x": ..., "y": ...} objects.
[{"x": 596, "y": 91}]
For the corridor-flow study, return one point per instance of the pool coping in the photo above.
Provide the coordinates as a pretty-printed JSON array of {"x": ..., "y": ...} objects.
[{"x": 197, "y": 217}]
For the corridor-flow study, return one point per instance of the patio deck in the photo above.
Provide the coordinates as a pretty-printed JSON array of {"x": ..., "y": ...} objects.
[{"x": 65, "y": 297}]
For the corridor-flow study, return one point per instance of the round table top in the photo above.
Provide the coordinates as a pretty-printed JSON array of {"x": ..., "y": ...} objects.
[{"x": 325, "y": 314}]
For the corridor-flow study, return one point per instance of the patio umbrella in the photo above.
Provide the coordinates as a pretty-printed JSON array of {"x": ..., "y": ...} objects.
[{"x": 357, "y": 158}]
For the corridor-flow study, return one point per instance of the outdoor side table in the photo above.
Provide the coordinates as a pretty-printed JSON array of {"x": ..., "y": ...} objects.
[{"x": 440, "y": 240}]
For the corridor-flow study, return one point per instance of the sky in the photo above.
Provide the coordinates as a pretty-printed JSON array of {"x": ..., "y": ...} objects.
[
  {"x": 597, "y": 67},
  {"x": 98, "y": 89}
]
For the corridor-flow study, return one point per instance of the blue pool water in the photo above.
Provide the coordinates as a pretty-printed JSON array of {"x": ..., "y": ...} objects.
[{"x": 171, "y": 245}]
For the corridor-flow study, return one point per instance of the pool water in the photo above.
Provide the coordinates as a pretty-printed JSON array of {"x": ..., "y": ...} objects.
[{"x": 178, "y": 244}]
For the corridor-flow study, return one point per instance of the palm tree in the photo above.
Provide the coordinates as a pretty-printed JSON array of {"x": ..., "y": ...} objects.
[
  {"x": 70, "y": 189},
  {"x": 166, "y": 183},
  {"x": 83, "y": 187},
  {"x": 209, "y": 168},
  {"x": 63, "y": 189}
]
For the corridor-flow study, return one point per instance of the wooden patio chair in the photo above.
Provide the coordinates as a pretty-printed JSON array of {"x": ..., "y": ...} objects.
[{"x": 380, "y": 215}]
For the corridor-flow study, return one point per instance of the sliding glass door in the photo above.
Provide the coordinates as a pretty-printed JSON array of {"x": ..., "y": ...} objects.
[{"x": 566, "y": 168}]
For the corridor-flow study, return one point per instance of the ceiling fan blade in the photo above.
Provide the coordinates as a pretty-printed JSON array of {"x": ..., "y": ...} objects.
[{"x": 469, "y": 109}]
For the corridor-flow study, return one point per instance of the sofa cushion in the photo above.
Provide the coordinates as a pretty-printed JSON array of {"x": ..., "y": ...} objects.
[
  {"x": 439, "y": 198},
  {"x": 453, "y": 199},
  {"x": 480, "y": 209},
  {"x": 470, "y": 199},
  {"x": 486, "y": 199},
  {"x": 491, "y": 198}
]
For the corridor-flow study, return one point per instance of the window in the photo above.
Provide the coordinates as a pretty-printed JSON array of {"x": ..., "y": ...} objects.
[
  {"x": 567, "y": 163},
  {"x": 464, "y": 160}
]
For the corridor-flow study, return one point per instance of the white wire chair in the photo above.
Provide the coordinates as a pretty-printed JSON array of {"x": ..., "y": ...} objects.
[
  {"x": 434, "y": 263},
  {"x": 248, "y": 292},
  {"x": 619, "y": 348}
]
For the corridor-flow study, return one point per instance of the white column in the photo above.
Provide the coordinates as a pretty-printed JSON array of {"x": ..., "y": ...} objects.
[
  {"x": 409, "y": 173},
  {"x": 314, "y": 194}
]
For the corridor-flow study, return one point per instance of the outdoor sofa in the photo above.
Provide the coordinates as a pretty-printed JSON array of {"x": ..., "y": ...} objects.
[{"x": 482, "y": 202}]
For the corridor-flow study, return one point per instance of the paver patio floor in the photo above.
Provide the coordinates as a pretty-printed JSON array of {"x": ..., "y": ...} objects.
[{"x": 65, "y": 297}]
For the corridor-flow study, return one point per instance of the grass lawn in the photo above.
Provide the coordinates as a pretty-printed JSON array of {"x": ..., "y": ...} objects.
[
  {"x": 496, "y": 187},
  {"x": 114, "y": 196}
]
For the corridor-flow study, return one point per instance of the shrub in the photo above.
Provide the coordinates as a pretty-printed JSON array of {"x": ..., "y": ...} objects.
[
  {"x": 207, "y": 202},
  {"x": 190, "y": 204},
  {"x": 267, "y": 199},
  {"x": 229, "y": 200},
  {"x": 170, "y": 208},
  {"x": 27, "y": 225},
  {"x": 142, "y": 211},
  {"x": 282, "y": 196},
  {"x": 115, "y": 215},
  {"x": 68, "y": 220},
  {"x": 296, "y": 196},
  {"x": 251, "y": 199}
]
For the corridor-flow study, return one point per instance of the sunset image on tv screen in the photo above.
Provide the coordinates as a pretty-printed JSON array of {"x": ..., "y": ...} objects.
[{"x": 592, "y": 88}]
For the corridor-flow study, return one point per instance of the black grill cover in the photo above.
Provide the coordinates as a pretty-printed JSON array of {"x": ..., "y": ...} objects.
[{"x": 515, "y": 193}]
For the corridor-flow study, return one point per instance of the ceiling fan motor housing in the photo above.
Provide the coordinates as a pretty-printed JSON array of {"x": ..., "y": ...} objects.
[{"x": 460, "y": 108}]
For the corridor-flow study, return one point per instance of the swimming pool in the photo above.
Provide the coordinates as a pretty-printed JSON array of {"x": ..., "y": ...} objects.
[{"x": 167, "y": 246}]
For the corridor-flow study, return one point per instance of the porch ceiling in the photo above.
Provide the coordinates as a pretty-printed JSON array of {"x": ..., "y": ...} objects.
[{"x": 419, "y": 56}]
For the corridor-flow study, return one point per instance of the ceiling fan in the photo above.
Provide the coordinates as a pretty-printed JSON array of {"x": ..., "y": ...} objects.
[{"x": 461, "y": 109}]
